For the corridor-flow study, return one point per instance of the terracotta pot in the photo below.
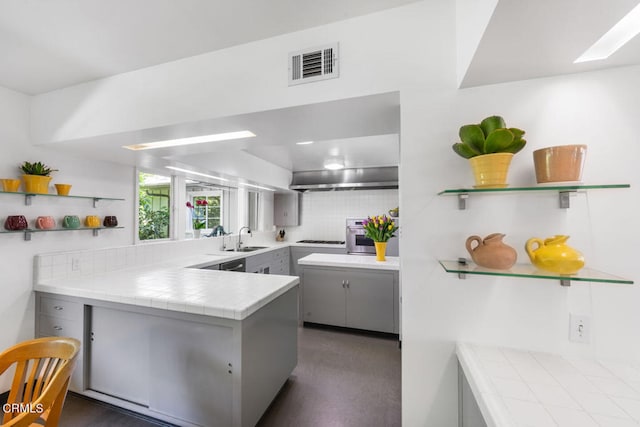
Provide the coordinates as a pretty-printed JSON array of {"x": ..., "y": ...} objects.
[
  {"x": 490, "y": 170},
  {"x": 491, "y": 252},
  {"x": 559, "y": 164}
]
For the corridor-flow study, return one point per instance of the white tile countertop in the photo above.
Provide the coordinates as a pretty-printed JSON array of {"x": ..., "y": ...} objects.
[
  {"x": 171, "y": 286},
  {"x": 516, "y": 388},
  {"x": 351, "y": 261}
]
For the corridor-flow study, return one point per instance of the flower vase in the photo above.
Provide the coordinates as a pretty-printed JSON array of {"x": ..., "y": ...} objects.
[
  {"x": 196, "y": 233},
  {"x": 381, "y": 249}
]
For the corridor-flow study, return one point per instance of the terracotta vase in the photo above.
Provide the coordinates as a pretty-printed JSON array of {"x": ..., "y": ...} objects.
[
  {"x": 381, "y": 249},
  {"x": 491, "y": 170},
  {"x": 491, "y": 252}
]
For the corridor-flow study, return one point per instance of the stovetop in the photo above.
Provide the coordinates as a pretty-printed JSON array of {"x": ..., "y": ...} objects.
[{"x": 324, "y": 242}]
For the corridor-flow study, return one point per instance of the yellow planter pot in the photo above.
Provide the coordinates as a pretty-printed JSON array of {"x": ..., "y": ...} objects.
[
  {"x": 36, "y": 184},
  {"x": 490, "y": 170},
  {"x": 381, "y": 249}
]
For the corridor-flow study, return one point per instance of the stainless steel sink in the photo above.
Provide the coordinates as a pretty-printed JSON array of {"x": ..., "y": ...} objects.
[{"x": 247, "y": 249}]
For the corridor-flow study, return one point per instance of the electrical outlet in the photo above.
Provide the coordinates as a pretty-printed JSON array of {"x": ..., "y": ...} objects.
[
  {"x": 579, "y": 328},
  {"x": 75, "y": 264}
]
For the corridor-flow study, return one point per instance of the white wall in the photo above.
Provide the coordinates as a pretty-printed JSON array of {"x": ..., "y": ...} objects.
[
  {"x": 377, "y": 54},
  {"x": 87, "y": 178},
  {"x": 412, "y": 49},
  {"x": 598, "y": 109},
  {"x": 323, "y": 213}
]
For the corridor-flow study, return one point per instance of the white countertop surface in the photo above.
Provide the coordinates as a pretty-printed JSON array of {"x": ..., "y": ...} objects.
[
  {"x": 516, "y": 388},
  {"x": 351, "y": 261},
  {"x": 171, "y": 286}
]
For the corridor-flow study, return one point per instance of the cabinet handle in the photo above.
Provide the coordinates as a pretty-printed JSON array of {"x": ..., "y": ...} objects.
[
  {"x": 343, "y": 283},
  {"x": 58, "y": 307},
  {"x": 347, "y": 283},
  {"x": 57, "y": 328}
]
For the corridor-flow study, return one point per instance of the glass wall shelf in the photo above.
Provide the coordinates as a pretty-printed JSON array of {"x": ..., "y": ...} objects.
[
  {"x": 463, "y": 267},
  {"x": 29, "y": 196},
  {"x": 27, "y": 232},
  {"x": 563, "y": 191}
]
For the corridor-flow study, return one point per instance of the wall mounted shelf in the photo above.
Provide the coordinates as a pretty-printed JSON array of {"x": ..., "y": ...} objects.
[
  {"x": 27, "y": 232},
  {"x": 564, "y": 192},
  {"x": 462, "y": 267},
  {"x": 28, "y": 197}
]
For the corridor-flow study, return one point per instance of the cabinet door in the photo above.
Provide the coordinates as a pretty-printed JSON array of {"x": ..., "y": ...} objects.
[
  {"x": 285, "y": 209},
  {"x": 120, "y": 354},
  {"x": 370, "y": 300},
  {"x": 323, "y": 296}
]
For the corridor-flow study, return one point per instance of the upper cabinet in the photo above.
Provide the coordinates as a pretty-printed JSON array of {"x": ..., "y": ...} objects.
[{"x": 285, "y": 209}]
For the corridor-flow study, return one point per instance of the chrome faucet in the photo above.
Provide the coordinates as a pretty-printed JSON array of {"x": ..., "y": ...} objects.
[{"x": 239, "y": 245}]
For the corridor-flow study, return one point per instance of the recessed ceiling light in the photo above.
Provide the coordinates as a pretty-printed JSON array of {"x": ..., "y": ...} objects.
[
  {"x": 195, "y": 173},
  {"x": 304, "y": 143},
  {"x": 334, "y": 164},
  {"x": 626, "y": 29},
  {"x": 192, "y": 140}
]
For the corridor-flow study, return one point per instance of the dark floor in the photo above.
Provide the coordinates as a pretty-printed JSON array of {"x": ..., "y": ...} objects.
[{"x": 342, "y": 379}]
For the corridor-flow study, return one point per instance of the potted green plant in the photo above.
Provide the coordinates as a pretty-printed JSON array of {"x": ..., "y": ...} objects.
[
  {"x": 489, "y": 146},
  {"x": 36, "y": 177}
]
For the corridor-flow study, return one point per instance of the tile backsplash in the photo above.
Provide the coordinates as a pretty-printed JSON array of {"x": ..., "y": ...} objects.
[
  {"x": 84, "y": 263},
  {"x": 323, "y": 213}
]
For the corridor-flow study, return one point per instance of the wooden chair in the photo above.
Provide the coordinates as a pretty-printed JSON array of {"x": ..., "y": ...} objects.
[{"x": 43, "y": 368}]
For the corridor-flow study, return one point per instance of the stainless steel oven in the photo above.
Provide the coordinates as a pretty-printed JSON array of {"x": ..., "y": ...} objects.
[{"x": 357, "y": 243}]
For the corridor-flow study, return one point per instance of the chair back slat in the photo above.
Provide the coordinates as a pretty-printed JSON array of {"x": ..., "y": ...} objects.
[{"x": 41, "y": 379}]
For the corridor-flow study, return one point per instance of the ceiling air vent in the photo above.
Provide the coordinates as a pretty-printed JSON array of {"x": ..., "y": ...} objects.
[{"x": 311, "y": 65}]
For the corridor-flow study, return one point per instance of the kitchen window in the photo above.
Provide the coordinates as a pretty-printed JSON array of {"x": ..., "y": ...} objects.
[
  {"x": 154, "y": 206},
  {"x": 211, "y": 213}
]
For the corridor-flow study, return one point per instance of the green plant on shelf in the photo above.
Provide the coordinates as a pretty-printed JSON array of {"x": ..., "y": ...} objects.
[
  {"x": 490, "y": 136},
  {"x": 36, "y": 168}
]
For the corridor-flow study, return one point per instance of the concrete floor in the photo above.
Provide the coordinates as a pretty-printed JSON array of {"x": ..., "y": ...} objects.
[{"x": 342, "y": 379}]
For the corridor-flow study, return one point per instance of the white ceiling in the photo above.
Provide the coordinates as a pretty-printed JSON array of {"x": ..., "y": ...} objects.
[
  {"x": 362, "y": 131},
  {"x": 48, "y": 45},
  {"x": 527, "y": 39}
]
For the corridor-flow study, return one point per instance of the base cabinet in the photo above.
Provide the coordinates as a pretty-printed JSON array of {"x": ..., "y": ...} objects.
[
  {"x": 353, "y": 298},
  {"x": 61, "y": 317},
  {"x": 187, "y": 369}
]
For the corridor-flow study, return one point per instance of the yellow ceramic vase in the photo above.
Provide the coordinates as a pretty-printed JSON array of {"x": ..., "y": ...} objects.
[
  {"x": 381, "y": 249},
  {"x": 36, "y": 184},
  {"x": 553, "y": 254},
  {"x": 490, "y": 170}
]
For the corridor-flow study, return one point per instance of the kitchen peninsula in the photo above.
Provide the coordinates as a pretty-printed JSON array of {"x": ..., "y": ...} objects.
[{"x": 190, "y": 346}]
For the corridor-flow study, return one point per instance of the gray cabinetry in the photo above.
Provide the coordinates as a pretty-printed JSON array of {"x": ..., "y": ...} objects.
[
  {"x": 354, "y": 298},
  {"x": 280, "y": 262},
  {"x": 120, "y": 354},
  {"x": 285, "y": 209},
  {"x": 63, "y": 317},
  {"x": 260, "y": 263},
  {"x": 272, "y": 262}
]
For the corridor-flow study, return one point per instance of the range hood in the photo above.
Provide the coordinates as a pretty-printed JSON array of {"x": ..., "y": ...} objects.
[{"x": 346, "y": 179}]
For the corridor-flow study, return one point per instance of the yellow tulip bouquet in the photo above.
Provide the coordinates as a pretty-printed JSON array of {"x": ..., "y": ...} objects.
[{"x": 379, "y": 228}]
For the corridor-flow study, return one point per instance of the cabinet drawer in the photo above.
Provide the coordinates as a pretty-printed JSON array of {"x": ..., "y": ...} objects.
[
  {"x": 61, "y": 308},
  {"x": 57, "y": 327}
]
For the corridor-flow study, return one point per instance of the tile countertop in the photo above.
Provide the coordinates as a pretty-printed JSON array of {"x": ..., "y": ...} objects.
[
  {"x": 524, "y": 388},
  {"x": 351, "y": 261},
  {"x": 171, "y": 286}
]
